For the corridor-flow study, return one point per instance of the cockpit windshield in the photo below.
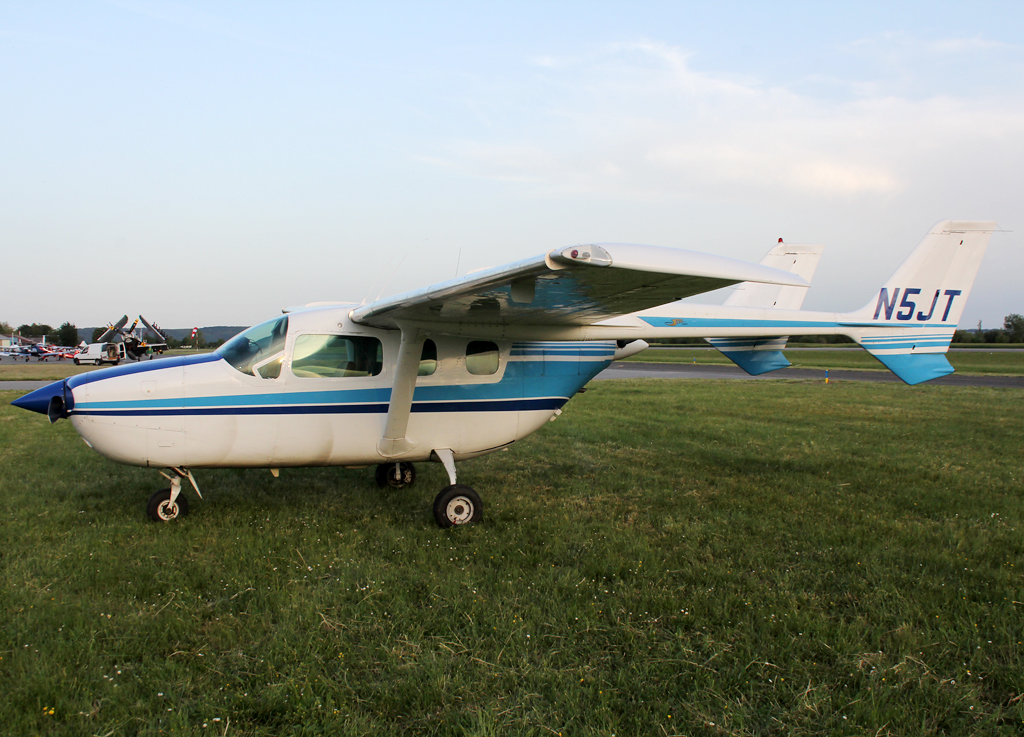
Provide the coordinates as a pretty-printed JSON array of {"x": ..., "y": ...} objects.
[{"x": 255, "y": 345}]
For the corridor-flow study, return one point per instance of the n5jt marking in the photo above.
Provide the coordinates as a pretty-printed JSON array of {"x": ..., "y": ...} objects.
[{"x": 907, "y": 305}]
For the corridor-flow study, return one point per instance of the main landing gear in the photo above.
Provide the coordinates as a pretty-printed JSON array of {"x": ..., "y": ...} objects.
[
  {"x": 455, "y": 504},
  {"x": 395, "y": 475}
]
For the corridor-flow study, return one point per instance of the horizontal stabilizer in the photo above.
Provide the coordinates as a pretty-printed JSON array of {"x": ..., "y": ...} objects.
[
  {"x": 916, "y": 368},
  {"x": 756, "y": 356},
  {"x": 801, "y": 260},
  {"x": 756, "y": 363}
]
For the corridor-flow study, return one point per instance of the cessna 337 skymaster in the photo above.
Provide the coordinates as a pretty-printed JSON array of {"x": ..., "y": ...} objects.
[{"x": 471, "y": 365}]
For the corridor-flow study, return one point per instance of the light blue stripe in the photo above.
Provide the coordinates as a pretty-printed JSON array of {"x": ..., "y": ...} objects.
[
  {"x": 902, "y": 338},
  {"x": 904, "y": 346},
  {"x": 714, "y": 322}
]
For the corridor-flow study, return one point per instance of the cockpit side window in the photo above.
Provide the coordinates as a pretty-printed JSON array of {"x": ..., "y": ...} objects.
[
  {"x": 331, "y": 356},
  {"x": 255, "y": 346}
]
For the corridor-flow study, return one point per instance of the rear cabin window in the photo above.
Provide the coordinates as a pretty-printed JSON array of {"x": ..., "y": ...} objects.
[
  {"x": 255, "y": 346},
  {"x": 332, "y": 356},
  {"x": 428, "y": 359},
  {"x": 482, "y": 358}
]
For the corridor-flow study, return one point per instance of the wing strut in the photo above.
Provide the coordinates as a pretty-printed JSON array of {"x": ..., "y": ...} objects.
[{"x": 394, "y": 443}]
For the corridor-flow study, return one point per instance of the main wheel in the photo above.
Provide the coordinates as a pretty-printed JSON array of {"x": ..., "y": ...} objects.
[
  {"x": 160, "y": 508},
  {"x": 395, "y": 475},
  {"x": 457, "y": 504}
]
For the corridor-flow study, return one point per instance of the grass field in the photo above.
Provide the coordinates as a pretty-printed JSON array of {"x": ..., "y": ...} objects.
[
  {"x": 668, "y": 558},
  {"x": 972, "y": 362}
]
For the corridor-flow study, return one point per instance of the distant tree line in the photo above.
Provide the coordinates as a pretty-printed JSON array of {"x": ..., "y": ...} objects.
[
  {"x": 1011, "y": 332},
  {"x": 66, "y": 334}
]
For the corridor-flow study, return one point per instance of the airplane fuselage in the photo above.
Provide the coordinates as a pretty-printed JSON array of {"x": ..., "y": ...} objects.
[{"x": 320, "y": 396}]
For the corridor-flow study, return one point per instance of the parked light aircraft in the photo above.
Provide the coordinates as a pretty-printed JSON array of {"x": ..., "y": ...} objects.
[
  {"x": 469, "y": 366},
  {"x": 135, "y": 345}
]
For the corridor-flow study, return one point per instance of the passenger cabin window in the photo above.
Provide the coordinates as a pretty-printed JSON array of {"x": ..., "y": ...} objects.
[
  {"x": 428, "y": 359},
  {"x": 482, "y": 358},
  {"x": 259, "y": 347},
  {"x": 331, "y": 356}
]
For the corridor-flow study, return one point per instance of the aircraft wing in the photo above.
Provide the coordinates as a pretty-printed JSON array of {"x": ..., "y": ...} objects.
[{"x": 573, "y": 286}]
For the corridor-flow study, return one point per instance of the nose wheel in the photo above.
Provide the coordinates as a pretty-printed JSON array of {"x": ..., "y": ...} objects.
[
  {"x": 168, "y": 504},
  {"x": 162, "y": 509}
]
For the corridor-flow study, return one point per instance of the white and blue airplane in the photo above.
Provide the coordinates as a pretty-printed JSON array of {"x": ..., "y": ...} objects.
[{"x": 472, "y": 365}]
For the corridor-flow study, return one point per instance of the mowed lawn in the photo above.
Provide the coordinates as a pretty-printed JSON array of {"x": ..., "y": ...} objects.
[{"x": 670, "y": 557}]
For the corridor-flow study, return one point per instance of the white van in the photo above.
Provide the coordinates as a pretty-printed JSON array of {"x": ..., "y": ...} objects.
[{"x": 99, "y": 353}]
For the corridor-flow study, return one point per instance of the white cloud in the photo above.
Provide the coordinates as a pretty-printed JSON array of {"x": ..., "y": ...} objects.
[{"x": 637, "y": 120}]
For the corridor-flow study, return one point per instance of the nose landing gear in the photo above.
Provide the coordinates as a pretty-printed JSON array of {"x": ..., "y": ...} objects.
[
  {"x": 168, "y": 504},
  {"x": 162, "y": 509}
]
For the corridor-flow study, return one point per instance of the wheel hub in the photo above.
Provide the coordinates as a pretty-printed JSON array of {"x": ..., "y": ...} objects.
[{"x": 459, "y": 510}]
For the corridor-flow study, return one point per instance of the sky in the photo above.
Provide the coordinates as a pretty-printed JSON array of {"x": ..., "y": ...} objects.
[{"x": 212, "y": 163}]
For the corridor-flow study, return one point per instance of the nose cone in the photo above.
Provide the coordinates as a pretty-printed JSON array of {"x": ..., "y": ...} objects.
[{"x": 39, "y": 400}]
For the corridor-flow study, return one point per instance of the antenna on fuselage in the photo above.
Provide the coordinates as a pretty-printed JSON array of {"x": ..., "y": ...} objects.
[{"x": 391, "y": 272}]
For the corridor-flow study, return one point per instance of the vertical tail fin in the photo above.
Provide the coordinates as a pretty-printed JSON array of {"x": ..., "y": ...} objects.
[
  {"x": 760, "y": 355},
  {"x": 910, "y": 324},
  {"x": 799, "y": 260}
]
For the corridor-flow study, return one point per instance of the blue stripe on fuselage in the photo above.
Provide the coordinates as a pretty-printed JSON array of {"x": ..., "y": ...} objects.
[{"x": 714, "y": 322}]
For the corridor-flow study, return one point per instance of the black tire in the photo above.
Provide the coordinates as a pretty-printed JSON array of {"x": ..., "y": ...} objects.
[
  {"x": 457, "y": 504},
  {"x": 159, "y": 508},
  {"x": 387, "y": 476}
]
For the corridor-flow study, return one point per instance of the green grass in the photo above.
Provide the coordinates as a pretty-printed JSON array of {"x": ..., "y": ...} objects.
[
  {"x": 669, "y": 557},
  {"x": 973, "y": 362},
  {"x": 41, "y": 371}
]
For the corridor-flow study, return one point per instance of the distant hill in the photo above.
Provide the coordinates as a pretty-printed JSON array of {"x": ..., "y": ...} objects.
[{"x": 211, "y": 334}]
